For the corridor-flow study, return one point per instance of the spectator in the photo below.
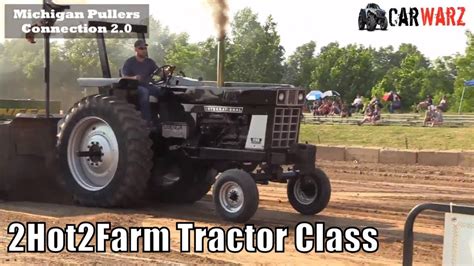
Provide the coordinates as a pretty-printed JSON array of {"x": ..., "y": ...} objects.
[
  {"x": 376, "y": 102},
  {"x": 373, "y": 102},
  {"x": 369, "y": 104},
  {"x": 433, "y": 116},
  {"x": 429, "y": 100},
  {"x": 424, "y": 104},
  {"x": 443, "y": 104},
  {"x": 376, "y": 114},
  {"x": 357, "y": 104},
  {"x": 429, "y": 115},
  {"x": 437, "y": 117},
  {"x": 367, "y": 114},
  {"x": 335, "y": 108},
  {"x": 315, "y": 107},
  {"x": 324, "y": 109},
  {"x": 372, "y": 114},
  {"x": 396, "y": 103},
  {"x": 345, "y": 110}
]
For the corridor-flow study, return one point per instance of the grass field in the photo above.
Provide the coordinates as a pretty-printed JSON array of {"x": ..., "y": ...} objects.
[{"x": 390, "y": 136}]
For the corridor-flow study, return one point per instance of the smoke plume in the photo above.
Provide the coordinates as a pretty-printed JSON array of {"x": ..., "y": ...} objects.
[{"x": 219, "y": 13}]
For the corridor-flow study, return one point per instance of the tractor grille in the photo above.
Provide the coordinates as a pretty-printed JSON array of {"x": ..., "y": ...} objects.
[
  {"x": 285, "y": 127},
  {"x": 292, "y": 97}
]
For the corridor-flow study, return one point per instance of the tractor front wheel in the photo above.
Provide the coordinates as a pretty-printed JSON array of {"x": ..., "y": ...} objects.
[
  {"x": 235, "y": 195},
  {"x": 309, "y": 194}
]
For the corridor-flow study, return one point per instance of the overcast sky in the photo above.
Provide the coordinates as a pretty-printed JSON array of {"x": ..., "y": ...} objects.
[{"x": 300, "y": 21}]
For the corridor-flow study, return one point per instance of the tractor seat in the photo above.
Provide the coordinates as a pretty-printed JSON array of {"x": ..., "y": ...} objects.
[{"x": 151, "y": 99}]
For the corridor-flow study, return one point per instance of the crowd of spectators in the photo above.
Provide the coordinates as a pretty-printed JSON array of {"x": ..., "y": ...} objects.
[
  {"x": 372, "y": 111},
  {"x": 434, "y": 114},
  {"x": 331, "y": 106}
]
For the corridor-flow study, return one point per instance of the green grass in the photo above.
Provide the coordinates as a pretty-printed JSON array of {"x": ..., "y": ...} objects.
[{"x": 390, "y": 136}]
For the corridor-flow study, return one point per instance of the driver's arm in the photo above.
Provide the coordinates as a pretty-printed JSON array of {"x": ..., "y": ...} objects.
[{"x": 128, "y": 72}]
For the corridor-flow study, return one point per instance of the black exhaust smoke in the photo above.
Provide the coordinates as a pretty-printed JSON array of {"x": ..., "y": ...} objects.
[{"x": 221, "y": 19}]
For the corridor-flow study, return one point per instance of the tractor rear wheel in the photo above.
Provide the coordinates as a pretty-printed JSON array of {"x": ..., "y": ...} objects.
[{"x": 104, "y": 152}]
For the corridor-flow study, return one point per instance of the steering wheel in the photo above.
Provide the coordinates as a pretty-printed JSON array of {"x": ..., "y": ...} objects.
[{"x": 165, "y": 73}]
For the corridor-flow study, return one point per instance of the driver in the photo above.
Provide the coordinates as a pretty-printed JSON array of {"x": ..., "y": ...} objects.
[{"x": 141, "y": 68}]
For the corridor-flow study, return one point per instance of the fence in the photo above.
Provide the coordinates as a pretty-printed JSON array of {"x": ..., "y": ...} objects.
[
  {"x": 408, "y": 230},
  {"x": 410, "y": 119}
]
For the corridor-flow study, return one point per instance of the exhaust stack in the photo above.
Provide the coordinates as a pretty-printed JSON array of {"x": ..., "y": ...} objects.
[
  {"x": 220, "y": 9},
  {"x": 220, "y": 62}
]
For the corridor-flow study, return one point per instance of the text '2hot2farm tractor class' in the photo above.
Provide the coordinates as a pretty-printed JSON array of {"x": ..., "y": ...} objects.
[{"x": 231, "y": 136}]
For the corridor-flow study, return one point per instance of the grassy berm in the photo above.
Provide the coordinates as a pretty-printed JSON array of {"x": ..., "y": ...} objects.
[{"x": 400, "y": 137}]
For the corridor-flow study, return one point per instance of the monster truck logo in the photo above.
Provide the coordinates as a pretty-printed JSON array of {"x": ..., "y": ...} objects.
[{"x": 371, "y": 16}]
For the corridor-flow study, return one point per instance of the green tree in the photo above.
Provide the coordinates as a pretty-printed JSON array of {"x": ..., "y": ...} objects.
[
  {"x": 327, "y": 58},
  {"x": 440, "y": 78},
  {"x": 465, "y": 71},
  {"x": 299, "y": 65},
  {"x": 241, "y": 56},
  {"x": 405, "y": 50},
  {"x": 207, "y": 65},
  {"x": 408, "y": 80},
  {"x": 270, "y": 53},
  {"x": 348, "y": 70},
  {"x": 408, "y": 72},
  {"x": 254, "y": 53},
  {"x": 160, "y": 41},
  {"x": 83, "y": 55},
  {"x": 385, "y": 58},
  {"x": 184, "y": 55},
  {"x": 12, "y": 78}
]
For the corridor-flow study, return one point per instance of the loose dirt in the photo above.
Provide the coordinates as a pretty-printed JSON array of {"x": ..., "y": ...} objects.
[{"x": 363, "y": 195}]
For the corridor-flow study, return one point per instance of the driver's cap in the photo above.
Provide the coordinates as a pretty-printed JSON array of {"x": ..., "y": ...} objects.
[{"x": 140, "y": 43}]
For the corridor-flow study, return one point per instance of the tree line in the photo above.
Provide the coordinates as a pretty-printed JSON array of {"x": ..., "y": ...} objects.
[{"x": 253, "y": 54}]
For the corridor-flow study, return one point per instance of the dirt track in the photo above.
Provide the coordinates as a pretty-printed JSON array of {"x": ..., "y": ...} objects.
[{"x": 363, "y": 195}]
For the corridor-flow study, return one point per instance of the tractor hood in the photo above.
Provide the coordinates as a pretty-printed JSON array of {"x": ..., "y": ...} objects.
[
  {"x": 190, "y": 91},
  {"x": 196, "y": 91},
  {"x": 285, "y": 96}
]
